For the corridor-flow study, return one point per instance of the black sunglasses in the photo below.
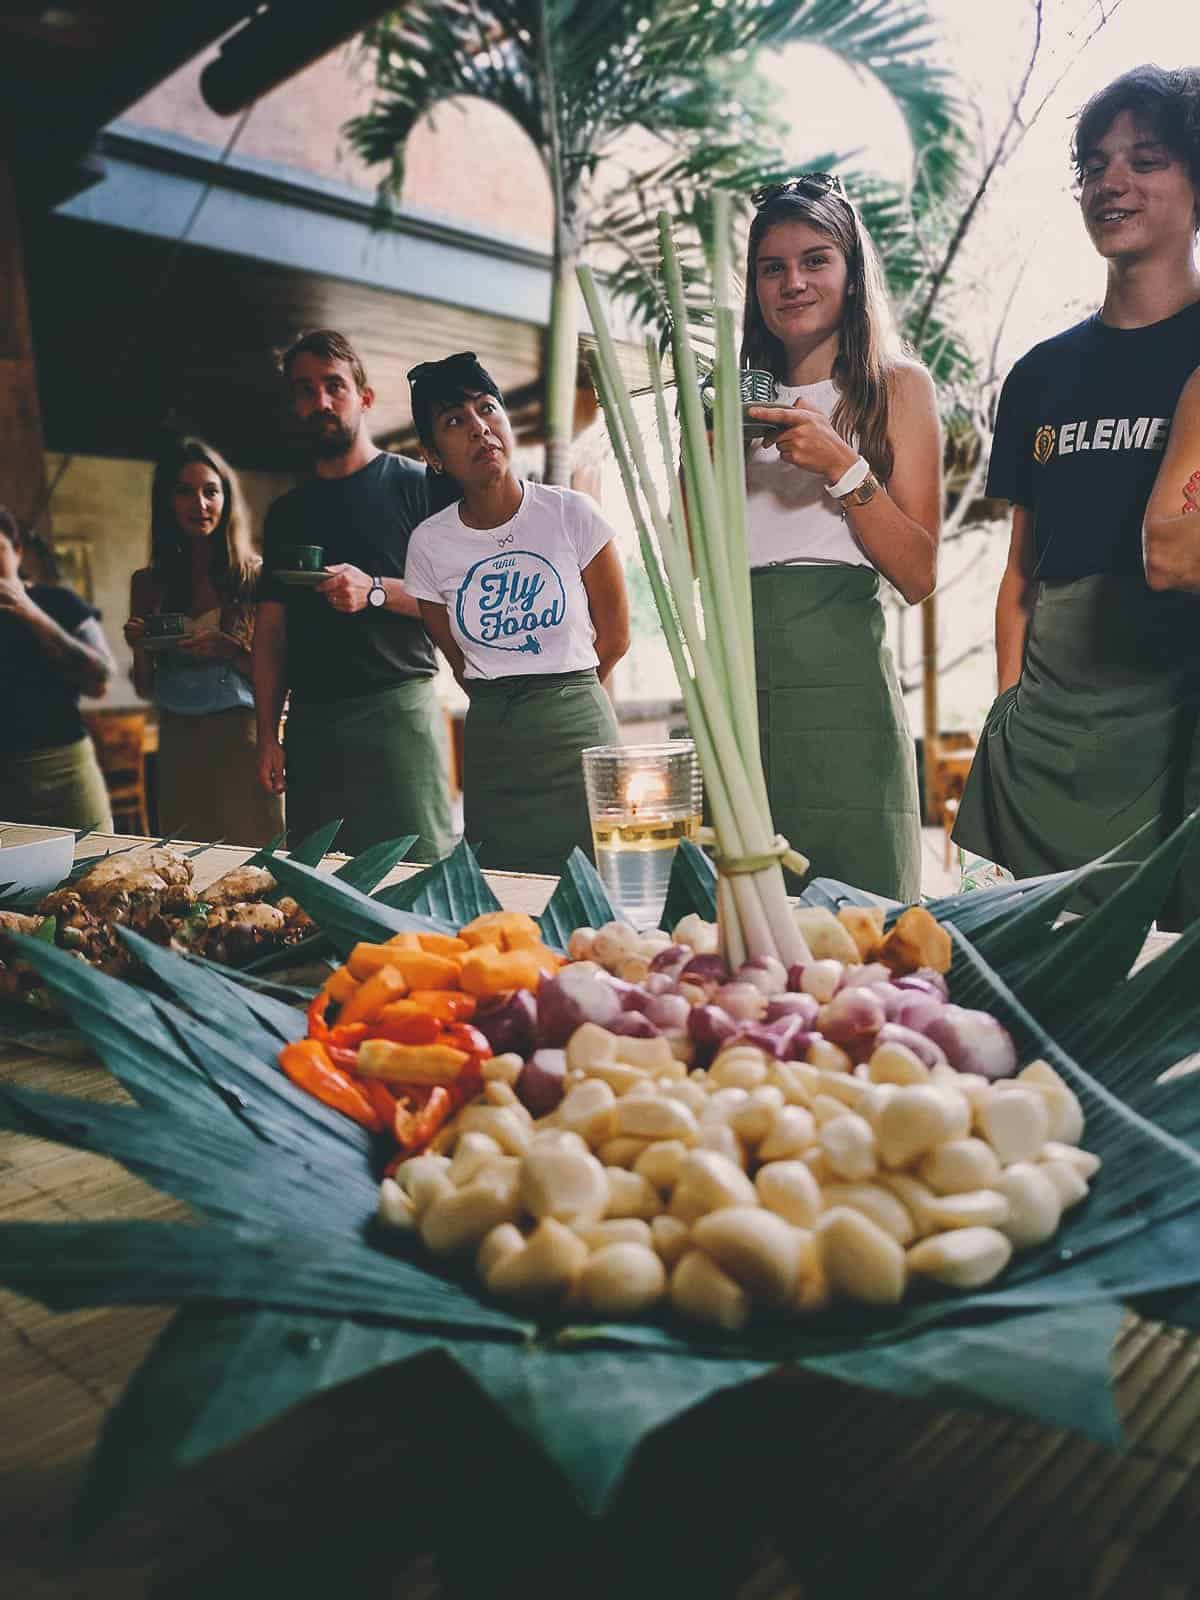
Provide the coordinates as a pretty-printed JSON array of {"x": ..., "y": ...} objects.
[
  {"x": 813, "y": 184},
  {"x": 423, "y": 369}
]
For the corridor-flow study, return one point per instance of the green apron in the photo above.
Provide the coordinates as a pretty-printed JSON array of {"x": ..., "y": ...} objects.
[
  {"x": 1095, "y": 738},
  {"x": 838, "y": 756},
  {"x": 378, "y": 761},
  {"x": 525, "y": 807},
  {"x": 59, "y": 787}
]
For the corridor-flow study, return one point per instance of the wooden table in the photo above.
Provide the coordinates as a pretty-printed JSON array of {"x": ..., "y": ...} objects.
[{"x": 974, "y": 1505}]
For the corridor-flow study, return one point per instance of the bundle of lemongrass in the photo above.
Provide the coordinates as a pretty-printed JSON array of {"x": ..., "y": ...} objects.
[{"x": 708, "y": 624}]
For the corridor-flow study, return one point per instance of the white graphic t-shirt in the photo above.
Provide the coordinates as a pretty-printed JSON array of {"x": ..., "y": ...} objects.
[{"x": 514, "y": 594}]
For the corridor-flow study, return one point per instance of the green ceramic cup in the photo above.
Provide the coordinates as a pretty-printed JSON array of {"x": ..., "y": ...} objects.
[
  {"x": 166, "y": 625},
  {"x": 303, "y": 557}
]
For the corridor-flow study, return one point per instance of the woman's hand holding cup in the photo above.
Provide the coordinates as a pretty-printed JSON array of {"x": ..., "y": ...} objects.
[{"x": 807, "y": 439}]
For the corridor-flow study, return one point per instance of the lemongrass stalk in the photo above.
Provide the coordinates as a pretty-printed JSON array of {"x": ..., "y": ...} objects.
[
  {"x": 731, "y": 473},
  {"x": 742, "y": 895},
  {"x": 728, "y": 785},
  {"x": 768, "y": 886},
  {"x": 741, "y": 825},
  {"x": 744, "y": 918},
  {"x": 699, "y": 470}
]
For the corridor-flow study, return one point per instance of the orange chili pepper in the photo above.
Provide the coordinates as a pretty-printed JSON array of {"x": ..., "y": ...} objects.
[
  {"x": 308, "y": 1064},
  {"x": 345, "y": 1035},
  {"x": 317, "y": 1007}
]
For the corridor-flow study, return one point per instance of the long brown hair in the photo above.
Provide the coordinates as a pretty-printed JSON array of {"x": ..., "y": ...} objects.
[
  {"x": 234, "y": 565},
  {"x": 867, "y": 346}
]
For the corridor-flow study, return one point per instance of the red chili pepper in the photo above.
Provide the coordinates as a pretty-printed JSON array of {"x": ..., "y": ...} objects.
[
  {"x": 382, "y": 1098},
  {"x": 415, "y": 1129},
  {"x": 344, "y": 1058},
  {"x": 307, "y": 1063},
  {"x": 464, "y": 1036},
  {"x": 347, "y": 1035},
  {"x": 406, "y": 1027}
]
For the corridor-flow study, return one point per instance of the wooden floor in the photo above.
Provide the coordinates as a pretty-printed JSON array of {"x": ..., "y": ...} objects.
[{"x": 973, "y": 1506}]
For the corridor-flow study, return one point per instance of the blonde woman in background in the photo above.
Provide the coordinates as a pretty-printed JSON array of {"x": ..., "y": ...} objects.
[{"x": 202, "y": 563}]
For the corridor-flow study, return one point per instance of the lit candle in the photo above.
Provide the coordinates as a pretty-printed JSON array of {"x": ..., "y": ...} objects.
[{"x": 643, "y": 799}]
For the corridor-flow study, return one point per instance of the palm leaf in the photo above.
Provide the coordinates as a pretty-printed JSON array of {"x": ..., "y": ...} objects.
[
  {"x": 580, "y": 900},
  {"x": 454, "y": 891}
]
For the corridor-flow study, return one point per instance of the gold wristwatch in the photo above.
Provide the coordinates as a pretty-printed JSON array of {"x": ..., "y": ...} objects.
[{"x": 866, "y": 492}]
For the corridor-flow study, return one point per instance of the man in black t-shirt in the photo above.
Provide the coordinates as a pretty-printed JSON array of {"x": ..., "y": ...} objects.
[
  {"x": 364, "y": 730},
  {"x": 1099, "y": 674}
]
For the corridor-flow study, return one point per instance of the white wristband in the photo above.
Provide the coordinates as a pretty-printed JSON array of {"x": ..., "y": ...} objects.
[{"x": 850, "y": 479}]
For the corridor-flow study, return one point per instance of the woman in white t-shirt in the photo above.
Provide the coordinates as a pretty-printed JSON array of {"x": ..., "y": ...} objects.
[
  {"x": 521, "y": 588},
  {"x": 824, "y": 522}
]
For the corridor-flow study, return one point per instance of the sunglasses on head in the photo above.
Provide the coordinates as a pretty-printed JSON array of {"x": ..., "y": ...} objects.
[
  {"x": 812, "y": 184},
  {"x": 423, "y": 369}
]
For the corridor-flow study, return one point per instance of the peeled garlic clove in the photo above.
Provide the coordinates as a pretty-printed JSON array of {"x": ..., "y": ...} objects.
[
  {"x": 739, "y": 1069},
  {"x": 861, "y": 1260},
  {"x": 709, "y": 1182},
  {"x": 589, "y": 1110},
  {"x": 661, "y": 1162},
  {"x": 791, "y": 1130},
  {"x": 1015, "y": 1123},
  {"x": 564, "y": 1184},
  {"x": 849, "y": 1145},
  {"x": 504, "y": 1240},
  {"x": 473, "y": 1151},
  {"x": 913, "y": 1119},
  {"x": 812, "y": 1291},
  {"x": 958, "y": 1165},
  {"x": 659, "y": 1118},
  {"x": 896, "y": 1063},
  {"x": 974, "y": 1208},
  {"x": 459, "y": 1220},
  {"x": 621, "y": 1280},
  {"x": 617, "y": 1230},
  {"x": 1067, "y": 1180},
  {"x": 875, "y": 1202},
  {"x": 1085, "y": 1162},
  {"x": 717, "y": 1135},
  {"x": 915, "y": 1197},
  {"x": 630, "y": 1195},
  {"x": 671, "y": 1238},
  {"x": 827, "y": 1057},
  {"x": 1035, "y": 1210},
  {"x": 395, "y": 1208},
  {"x": 752, "y": 1120},
  {"x": 699, "y": 1289},
  {"x": 967, "y": 1258},
  {"x": 789, "y": 1189},
  {"x": 846, "y": 1087},
  {"x": 825, "y": 1108},
  {"x": 758, "y": 1250},
  {"x": 545, "y": 1270},
  {"x": 798, "y": 1081},
  {"x": 621, "y": 1151}
]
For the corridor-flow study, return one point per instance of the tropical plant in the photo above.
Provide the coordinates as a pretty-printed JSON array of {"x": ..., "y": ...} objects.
[{"x": 576, "y": 76}]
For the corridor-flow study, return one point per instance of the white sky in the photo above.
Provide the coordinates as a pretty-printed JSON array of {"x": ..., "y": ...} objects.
[{"x": 1030, "y": 220}]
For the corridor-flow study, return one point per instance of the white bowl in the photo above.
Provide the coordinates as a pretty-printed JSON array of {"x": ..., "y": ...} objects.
[{"x": 34, "y": 860}]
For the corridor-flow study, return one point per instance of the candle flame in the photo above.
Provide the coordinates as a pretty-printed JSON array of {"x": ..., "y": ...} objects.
[{"x": 643, "y": 787}]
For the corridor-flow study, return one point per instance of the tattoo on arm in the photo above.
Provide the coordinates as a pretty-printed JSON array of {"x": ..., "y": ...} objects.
[{"x": 1191, "y": 494}]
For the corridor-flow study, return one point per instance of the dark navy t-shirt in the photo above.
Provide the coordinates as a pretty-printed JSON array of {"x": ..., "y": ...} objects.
[
  {"x": 1080, "y": 431},
  {"x": 365, "y": 520},
  {"x": 40, "y": 705}
]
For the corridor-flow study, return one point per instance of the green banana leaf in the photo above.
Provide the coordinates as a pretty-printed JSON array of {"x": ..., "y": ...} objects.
[{"x": 285, "y": 1191}]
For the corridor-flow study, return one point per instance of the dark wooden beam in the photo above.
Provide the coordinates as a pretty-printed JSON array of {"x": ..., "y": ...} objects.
[{"x": 22, "y": 456}]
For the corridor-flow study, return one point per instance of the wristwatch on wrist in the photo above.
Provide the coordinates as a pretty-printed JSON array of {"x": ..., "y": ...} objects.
[
  {"x": 862, "y": 495},
  {"x": 376, "y": 594}
]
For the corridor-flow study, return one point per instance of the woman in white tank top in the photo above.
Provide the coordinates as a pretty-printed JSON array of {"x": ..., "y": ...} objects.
[{"x": 824, "y": 522}]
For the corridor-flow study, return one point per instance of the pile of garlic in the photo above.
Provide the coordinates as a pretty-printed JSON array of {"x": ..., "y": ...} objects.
[{"x": 754, "y": 1184}]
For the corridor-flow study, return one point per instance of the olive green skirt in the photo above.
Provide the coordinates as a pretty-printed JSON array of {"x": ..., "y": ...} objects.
[
  {"x": 837, "y": 752},
  {"x": 525, "y": 806},
  {"x": 59, "y": 787},
  {"x": 208, "y": 784},
  {"x": 379, "y": 762},
  {"x": 1096, "y": 738}
]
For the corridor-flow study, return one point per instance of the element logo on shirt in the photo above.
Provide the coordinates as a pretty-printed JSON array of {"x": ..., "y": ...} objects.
[
  {"x": 1043, "y": 444},
  {"x": 505, "y": 601}
]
